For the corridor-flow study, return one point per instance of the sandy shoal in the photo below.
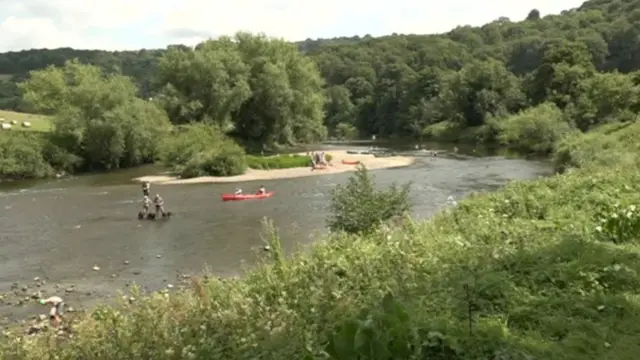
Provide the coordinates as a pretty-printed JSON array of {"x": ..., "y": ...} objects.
[{"x": 371, "y": 162}]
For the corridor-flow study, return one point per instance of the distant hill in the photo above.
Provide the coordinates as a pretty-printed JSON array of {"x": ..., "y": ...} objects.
[{"x": 610, "y": 28}]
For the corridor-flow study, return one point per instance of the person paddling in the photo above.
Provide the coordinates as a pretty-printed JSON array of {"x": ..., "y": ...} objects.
[
  {"x": 262, "y": 190},
  {"x": 238, "y": 191}
]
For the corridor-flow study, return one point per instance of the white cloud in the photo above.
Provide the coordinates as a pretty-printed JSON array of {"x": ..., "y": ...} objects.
[
  {"x": 120, "y": 24},
  {"x": 36, "y": 32},
  {"x": 60, "y": 23}
]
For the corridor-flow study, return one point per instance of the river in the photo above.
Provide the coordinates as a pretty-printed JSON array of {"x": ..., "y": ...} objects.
[{"x": 59, "y": 230}]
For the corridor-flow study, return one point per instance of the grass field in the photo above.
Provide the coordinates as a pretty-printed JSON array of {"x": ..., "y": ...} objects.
[{"x": 38, "y": 122}]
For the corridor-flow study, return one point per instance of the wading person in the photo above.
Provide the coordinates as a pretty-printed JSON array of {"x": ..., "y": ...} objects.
[
  {"x": 146, "y": 203},
  {"x": 146, "y": 187},
  {"x": 157, "y": 200},
  {"x": 56, "y": 311}
]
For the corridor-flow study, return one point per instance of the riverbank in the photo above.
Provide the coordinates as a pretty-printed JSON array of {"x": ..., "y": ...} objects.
[
  {"x": 288, "y": 308},
  {"x": 79, "y": 298},
  {"x": 337, "y": 166}
]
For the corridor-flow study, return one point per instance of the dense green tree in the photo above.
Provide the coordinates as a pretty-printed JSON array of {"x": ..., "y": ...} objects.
[
  {"x": 205, "y": 84},
  {"x": 259, "y": 89},
  {"x": 604, "y": 98},
  {"x": 482, "y": 89},
  {"x": 339, "y": 109},
  {"x": 534, "y": 15},
  {"x": 286, "y": 105},
  {"x": 97, "y": 116},
  {"x": 21, "y": 156},
  {"x": 534, "y": 130},
  {"x": 391, "y": 90},
  {"x": 564, "y": 65}
]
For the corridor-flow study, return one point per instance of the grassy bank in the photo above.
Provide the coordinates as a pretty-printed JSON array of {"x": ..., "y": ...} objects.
[
  {"x": 545, "y": 269},
  {"x": 280, "y": 161},
  {"x": 38, "y": 122},
  {"x": 190, "y": 151},
  {"x": 609, "y": 144},
  {"x": 534, "y": 131}
]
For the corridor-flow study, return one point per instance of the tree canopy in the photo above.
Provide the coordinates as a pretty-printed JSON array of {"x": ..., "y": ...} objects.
[
  {"x": 390, "y": 86},
  {"x": 97, "y": 117},
  {"x": 262, "y": 90},
  {"x": 482, "y": 84}
]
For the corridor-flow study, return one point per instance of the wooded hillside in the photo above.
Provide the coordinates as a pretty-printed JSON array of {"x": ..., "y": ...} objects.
[{"x": 393, "y": 85}]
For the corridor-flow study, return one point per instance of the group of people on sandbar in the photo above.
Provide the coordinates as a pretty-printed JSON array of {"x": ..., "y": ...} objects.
[
  {"x": 319, "y": 158},
  {"x": 146, "y": 201}
]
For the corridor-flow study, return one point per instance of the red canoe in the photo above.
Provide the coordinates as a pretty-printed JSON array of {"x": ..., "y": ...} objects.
[
  {"x": 351, "y": 162},
  {"x": 234, "y": 197}
]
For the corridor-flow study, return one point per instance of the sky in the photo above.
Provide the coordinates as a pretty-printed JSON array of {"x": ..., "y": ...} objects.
[{"x": 135, "y": 24}]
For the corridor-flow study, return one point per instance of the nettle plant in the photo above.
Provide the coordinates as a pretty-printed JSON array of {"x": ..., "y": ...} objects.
[{"x": 620, "y": 224}]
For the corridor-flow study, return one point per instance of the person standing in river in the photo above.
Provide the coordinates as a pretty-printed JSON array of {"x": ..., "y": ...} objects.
[
  {"x": 157, "y": 200},
  {"x": 146, "y": 203},
  {"x": 146, "y": 187}
]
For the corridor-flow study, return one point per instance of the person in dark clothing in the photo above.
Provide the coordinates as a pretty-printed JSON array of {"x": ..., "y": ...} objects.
[{"x": 146, "y": 187}]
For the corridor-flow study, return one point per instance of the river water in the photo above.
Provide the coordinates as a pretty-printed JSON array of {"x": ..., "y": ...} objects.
[{"x": 59, "y": 230}]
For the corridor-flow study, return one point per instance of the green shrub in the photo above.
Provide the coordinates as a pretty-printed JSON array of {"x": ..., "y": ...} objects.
[
  {"x": 202, "y": 150},
  {"x": 346, "y": 131},
  {"x": 280, "y": 161},
  {"x": 620, "y": 223},
  {"x": 225, "y": 162},
  {"x": 21, "y": 156},
  {"x": 536, "y": 130},
  {"x": 56, "y": 151},
  {"x": 277, "y": 162},
  {"x": 451, "y": 132},
  {"x": 603, "y": 146},
  {"x": 187, "y": 141},
  {"x": 358, "y": 207}
]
